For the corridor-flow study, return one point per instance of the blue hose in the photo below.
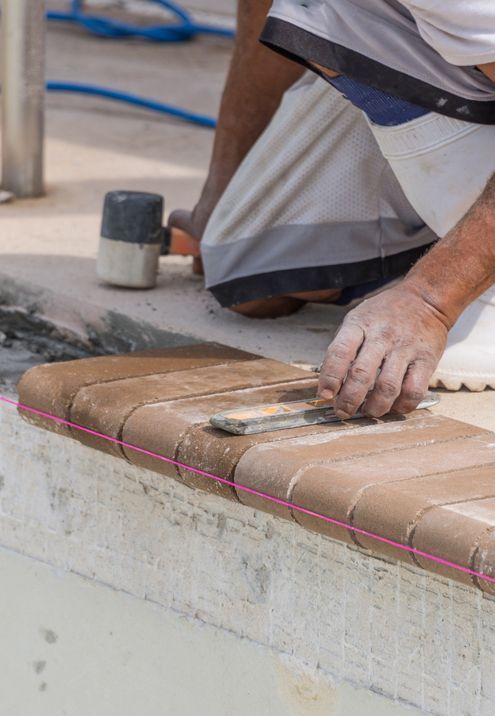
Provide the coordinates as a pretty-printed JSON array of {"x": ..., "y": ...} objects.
[
  {"x": 133, "y": 99},
  {"x": 184, "y": 28}
]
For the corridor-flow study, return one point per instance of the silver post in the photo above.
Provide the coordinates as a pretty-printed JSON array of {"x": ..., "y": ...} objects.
[{"x": 23, "y": 78}]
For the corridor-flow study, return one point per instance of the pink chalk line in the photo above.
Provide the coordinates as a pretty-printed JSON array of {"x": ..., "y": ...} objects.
[{"x": 251, "y": 491}]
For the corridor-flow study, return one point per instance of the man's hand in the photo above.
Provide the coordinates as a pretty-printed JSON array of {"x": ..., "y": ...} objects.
[
  {"x": 389, "y": 346},
  {"x": 384, "y": 355}
]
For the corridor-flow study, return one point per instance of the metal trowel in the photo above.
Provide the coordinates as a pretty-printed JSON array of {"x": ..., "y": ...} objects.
[{"x": 282, "y": 416}]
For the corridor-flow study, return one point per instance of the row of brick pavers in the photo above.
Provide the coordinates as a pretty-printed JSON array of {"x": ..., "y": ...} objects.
[{"x": 424, "y": 481}]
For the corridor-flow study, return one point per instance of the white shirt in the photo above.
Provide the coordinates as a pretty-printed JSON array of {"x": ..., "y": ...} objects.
[
  {"x": 461, "y": 31},
  {"x": 423, "y": 51}
]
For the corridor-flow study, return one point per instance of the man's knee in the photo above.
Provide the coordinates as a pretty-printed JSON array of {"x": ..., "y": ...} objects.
[
  {"x": 279, "y": 306},
  {"x": 269, "y": 307}
]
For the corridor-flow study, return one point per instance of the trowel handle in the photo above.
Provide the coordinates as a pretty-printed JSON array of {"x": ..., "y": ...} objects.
[{"x": 282, "y": 416}]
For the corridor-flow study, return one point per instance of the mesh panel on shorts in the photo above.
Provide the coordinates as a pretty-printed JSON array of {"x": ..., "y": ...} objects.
[{"x": 316, "y": 163}]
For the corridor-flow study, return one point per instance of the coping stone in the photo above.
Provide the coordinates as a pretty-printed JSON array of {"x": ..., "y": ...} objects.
[{"x": 423, "y": 481}]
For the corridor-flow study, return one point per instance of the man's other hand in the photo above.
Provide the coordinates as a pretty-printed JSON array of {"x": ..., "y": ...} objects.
[
  {"x": 194, "y": 223},
  {"x": 384, "y": 354}
]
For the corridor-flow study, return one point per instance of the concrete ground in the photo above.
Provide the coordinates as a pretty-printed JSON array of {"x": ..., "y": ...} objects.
[{"x": 48, "y": 246}]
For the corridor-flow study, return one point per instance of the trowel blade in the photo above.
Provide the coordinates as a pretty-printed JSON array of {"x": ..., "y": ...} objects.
[{"x": 282, "y": 416}]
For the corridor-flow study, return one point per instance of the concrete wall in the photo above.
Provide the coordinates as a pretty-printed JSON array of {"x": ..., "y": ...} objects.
[
  {"x": 73, "y": 646},
  {"x": 226, "y": 610}
]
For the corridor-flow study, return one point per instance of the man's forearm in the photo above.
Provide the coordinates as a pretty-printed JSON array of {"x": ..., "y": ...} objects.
[
  {"x": 255, "y": 85},
  {"x": 460, "y": 267},
  {"x": 389, "y": 346}
]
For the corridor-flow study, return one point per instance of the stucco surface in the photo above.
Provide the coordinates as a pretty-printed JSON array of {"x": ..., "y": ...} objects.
[{"x": 380, "y": 625}]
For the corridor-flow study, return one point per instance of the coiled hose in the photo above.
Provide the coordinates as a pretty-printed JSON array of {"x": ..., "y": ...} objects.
[{"x": 182, "y": 29}]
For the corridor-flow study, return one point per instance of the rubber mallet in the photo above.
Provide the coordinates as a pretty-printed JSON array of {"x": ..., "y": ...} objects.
[{"x": 133, "y": 238}]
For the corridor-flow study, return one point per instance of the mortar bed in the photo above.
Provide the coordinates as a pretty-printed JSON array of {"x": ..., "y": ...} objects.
[{"x": 27, "y": 340}]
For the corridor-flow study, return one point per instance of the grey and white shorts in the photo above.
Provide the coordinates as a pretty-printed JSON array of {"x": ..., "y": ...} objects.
[{"x": 326, "y": 199}]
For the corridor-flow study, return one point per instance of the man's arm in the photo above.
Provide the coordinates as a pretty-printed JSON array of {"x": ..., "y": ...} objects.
[
  {"x": 255, "y": 84},
  {"x": 390, "y": 345}
]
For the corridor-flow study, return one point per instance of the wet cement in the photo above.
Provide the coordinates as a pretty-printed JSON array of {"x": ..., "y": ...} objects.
[{"x": 27, "y": 340}]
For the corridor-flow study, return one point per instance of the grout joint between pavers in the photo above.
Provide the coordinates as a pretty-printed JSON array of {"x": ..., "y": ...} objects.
[{"x": 472, "y": 562}]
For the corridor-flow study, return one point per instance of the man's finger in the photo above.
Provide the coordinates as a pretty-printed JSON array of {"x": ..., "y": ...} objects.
[
  {"x": 414, "y": 387},
  {"x": 360, "y": 379},
  {"x": 340, "y": 355},
  {"x": 387, "y": 387}
]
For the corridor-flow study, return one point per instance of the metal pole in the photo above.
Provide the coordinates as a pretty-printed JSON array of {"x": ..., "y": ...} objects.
[{"x": 23, "y": 90}]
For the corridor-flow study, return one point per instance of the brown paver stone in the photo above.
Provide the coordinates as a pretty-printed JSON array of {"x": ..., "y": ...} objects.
[
  {"x": 461, "y": 533},
  {"x": 105, "y": 407},
  {"x": 181, "y": 429},
  {"x": 52, "y": 388},
  {"x": 276, "y": 469},
  {"x": 336, "y": 490},
  {"x": 393, "y": 510}
]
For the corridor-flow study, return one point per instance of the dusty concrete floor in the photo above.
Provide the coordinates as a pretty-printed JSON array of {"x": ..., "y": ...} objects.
[{"x": 48, "y": 246}]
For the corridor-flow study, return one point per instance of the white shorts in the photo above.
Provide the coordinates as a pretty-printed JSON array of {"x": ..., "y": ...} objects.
[
  {"x": 325, "y": 199},
  {"x": 442, "y": 164}
]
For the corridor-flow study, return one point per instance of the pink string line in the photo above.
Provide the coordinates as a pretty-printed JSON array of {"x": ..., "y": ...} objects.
[{"x": 257, "y": 493}]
